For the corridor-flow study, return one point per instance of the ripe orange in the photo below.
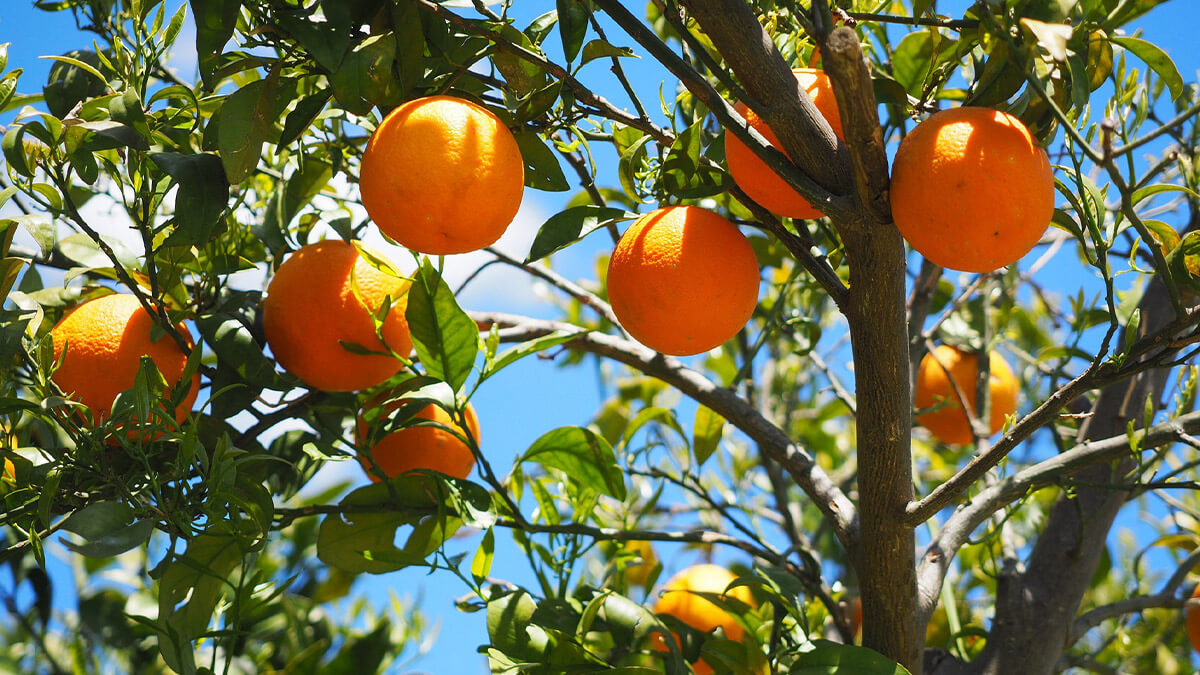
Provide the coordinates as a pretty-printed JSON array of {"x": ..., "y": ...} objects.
[
  {"x": 971, "y": 189},
  {"x": 754, "y": 177},
  {"x": 324, "y": 295},
  {"x": 1191, "y": 620},
  {"x": 442, "y": 175},
  {"x": 105, "y": 339},
  {"x": 423, "y": 447},
  {"x": 949, "y": 422},
  {"x": 683, "y": 280},
  {"x": 679, "y": 599}
]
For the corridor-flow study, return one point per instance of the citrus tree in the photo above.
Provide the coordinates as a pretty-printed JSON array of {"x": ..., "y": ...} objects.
[{"x": 905, "y": 404}]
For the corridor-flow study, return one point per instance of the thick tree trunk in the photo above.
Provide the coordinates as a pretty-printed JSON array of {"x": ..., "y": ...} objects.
[
  {"x": 886, "y": 558},
  {"x": 874, "y": 306},
  {"x": 1035, "y": 607}
]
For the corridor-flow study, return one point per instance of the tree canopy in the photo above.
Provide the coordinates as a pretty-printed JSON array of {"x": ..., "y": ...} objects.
[{"x": 789, "y": 453}]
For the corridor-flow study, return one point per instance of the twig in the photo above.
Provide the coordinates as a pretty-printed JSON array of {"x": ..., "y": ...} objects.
[{"x": 798, "y": 462}]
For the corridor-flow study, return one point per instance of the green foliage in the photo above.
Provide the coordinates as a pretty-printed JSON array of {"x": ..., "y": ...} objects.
[{"x": 225, "y": 555}]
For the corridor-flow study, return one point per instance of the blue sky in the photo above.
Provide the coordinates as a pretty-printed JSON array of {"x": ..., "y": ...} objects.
[{"x": 524, "y": 401}]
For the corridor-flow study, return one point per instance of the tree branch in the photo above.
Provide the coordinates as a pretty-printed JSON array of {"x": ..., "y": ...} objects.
[
  {"x": 1139, "y": 358},
  {"x": 1165, "y": 597},
  {"x": 826, "y": 496},
  {"x": 823, "y": 173},
  {"x": 774, "y": 93},
  {"x": 851, "y": 79},
  {"x": 958, "y": 528}
]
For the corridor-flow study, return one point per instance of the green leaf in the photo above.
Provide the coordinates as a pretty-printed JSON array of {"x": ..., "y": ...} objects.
[
  {"x": 365, "y": 76},
  {"x": 113, "y": 135},
  {"x": 599, "y": 49},
  {"x": 1158, "y": 61},
  {"x": 683, "y": 173},
  {"x": 127, "y": 109},
  {"x": 189, "y": 589},
  {"x": 572, "y": 26},
  {"x": 446, "y": 339},
  {"x": 511, "y": 355},
  {"x": 481, "y": 564},
  {"x": 917, "y": 57},
  {"x": 1151, "y": 190},
  {"x": 831, "y": 658},
  {"x": 511, "y": 628},
  {"x": 363, "y": 654},
  {"x": 236, "y": 348},
  {"x": 82, "y": 249},
  {"x": 10, "y": 268},
  {"x": 539, "y": 28},
  {"x": 584, "y": 456},
  {"x": 13, "y": 146},
  {"x": 567, "y": 227},
  {"x": 41, "y": 228},
  {"x": 302, "y": 116},
  {"x": 706, "y": 434},
  {"x": 523, "y": 77},
  {"x": 1184, "y": 261},
  {"x": 631, "y": 163},
  {"x": 363, "y": 540},
  {"x": 174, "y": 27},
  {"x": 203, "y": 193},
  {"x": 8, "y": 87},
  {"x": 1052, "y": 37},
  {"x": 410, "y": 47},
  {"x": 215, "y": 21},
  {"x": 542, "y": 170},
  {"x": 108, "y": 529},
  {"x": 298, "y": 191},
  {"x": 242, "y": 126},
  {"x": 652, "y": 414}
]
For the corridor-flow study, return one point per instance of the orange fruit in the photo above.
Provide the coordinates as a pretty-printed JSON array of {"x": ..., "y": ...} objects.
[
  {"x": 683, "y": 280},
  {"x": 105, "y": 339},
  {"x": 442, "y": 175},
  {"x": 9, "y": 476},
  {"x": 679, "y": 599},
  {"x": 753, "y": 175},
  {"x": 1191, "y": 620},
  {"x": 422, "y": 447},
  {"x": 949, "y": 423},
  {"x": 971, "y": 189},
  {"x": 324, "y": 295}
]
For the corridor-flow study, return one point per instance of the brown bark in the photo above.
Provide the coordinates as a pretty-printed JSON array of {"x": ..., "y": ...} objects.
[
  {"x": 774, "y": 92},
  {"x": 874, "y": 306}
]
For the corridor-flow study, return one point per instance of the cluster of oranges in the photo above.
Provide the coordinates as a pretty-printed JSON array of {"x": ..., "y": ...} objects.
[
  {"x": 440, "y": 175},
  {"x": 971, "y": 190},
  {"x": 443, "y": 175}
]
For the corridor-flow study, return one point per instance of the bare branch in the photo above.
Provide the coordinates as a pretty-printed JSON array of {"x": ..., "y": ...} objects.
[
  {"x": 962, "y": 523},
  {"x": 1147, "y": 353},
  {"x": 826, "y": 496},
  {"x": 1165, "y": 598},
  {"x": 566, "y": 285}
]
